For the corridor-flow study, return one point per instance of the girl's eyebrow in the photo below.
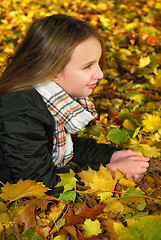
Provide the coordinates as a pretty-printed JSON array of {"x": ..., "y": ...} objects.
[{"x": 88, "y": 63}]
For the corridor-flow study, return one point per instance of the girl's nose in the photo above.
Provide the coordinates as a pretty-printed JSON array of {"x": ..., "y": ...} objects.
[{"x": 98, "y": 74}]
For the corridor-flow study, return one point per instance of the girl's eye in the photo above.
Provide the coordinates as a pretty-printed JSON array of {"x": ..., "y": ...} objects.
[{"x": 89, "y": 66}]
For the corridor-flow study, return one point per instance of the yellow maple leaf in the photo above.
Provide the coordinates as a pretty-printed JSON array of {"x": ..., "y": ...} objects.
[
  {"x": 118, "y": 175},
  {"x": 21, "y": 189},
  {"x": 68, "y": 181},
  {"x": 104, "y": 173},
  {"x": 113, "y": 206},
  {"x": 146, "y": 150},
  {"x": 87, "y": 176},
  {"x": 151, "y": 123},
  {"x": 91, "y": 228},
  {"x": 127, "y": 182},
  {"x": 102, "y": 184},
  {"x": 100, "y": 180},
  {"x": 104, "y": 195}
]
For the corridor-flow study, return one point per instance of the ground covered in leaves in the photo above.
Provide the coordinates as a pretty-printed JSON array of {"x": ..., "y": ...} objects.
[{"x": 128, "y": 102}]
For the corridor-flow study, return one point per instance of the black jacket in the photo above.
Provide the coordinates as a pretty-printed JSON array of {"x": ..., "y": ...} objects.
[{"x": 26, "y": 141}]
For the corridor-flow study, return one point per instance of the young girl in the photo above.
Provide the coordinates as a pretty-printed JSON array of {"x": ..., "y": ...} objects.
[{"x": 44, "y": 102}]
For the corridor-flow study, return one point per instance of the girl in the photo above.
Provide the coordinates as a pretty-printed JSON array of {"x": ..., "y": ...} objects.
[{"x": 44, "y": 102}]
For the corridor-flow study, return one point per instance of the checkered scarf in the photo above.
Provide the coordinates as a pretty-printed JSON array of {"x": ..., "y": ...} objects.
[{"x": 71, "y": 115}]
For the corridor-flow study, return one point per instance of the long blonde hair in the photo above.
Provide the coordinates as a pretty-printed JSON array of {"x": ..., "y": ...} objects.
[{"x": 45, "y": 50}]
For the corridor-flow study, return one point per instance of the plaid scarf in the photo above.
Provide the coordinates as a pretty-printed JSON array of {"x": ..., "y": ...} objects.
[{"x": 71, "y": 115}]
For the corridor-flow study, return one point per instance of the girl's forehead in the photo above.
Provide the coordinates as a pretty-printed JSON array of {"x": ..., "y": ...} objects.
[{"x": 91, "y": 47}]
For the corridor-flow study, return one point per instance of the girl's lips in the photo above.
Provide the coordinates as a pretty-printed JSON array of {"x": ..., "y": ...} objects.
[{"x": 92, "y": 85}]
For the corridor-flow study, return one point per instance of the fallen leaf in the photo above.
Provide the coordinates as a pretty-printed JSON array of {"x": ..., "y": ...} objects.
[
  {"x": 21, "y": 189},
  {"x": 56, "y": 211},
  {"x": 144, "y": 61},
  {"x": 27, "y": 218},
  {"x": 68, "y": 181},
  {"x": 72, "y": 231},
  {"x": 91, "y": 228},
  {"x": 85, "y": 212},
  {"x": 151, "y": 123}
]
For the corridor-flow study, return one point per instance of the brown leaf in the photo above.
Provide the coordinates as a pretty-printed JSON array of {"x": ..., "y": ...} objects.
[
  {"x": 28, "y": 216},
  {"x": 71, "y": 230},
  {"x": 157, "y": 179},
  {"x": 85, "y": 212}
]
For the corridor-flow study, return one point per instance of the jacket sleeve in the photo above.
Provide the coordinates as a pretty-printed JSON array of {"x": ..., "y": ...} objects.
[{"x": 89, "y": 152}]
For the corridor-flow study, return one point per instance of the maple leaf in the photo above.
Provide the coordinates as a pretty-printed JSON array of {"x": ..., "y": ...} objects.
[
  {"x": 102, "y": 184},
  {"x": 113, "y": 205},
  {"x": 100, "y": 180},
  {"x": 91, "y": 228},
  {"x": 117, "y": 136},
  {"x": 145, "y": 149},
  {"x": 104, "y": 195},
  {"x": 151, "y": 123},
  {"x": 127, "y": 182},
  {"x": 26, "y": 188},
  {"x": 68, "y": 181},
  {"x": 87, "y": 176}
]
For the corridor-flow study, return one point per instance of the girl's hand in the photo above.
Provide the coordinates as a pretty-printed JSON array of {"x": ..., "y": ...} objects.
[
  {"x": 118, "y": 155},
  {"x": 130, "y": 163}
]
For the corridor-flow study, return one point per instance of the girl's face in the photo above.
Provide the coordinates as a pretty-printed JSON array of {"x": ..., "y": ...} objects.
[{"x": 80, "y": 75}]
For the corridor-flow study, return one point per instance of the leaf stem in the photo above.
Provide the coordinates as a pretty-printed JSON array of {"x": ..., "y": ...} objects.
[{"x": 138, "y": 195}]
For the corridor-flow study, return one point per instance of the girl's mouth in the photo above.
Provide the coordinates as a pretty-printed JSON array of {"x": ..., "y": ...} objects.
[{"x": 92, "y": 85}]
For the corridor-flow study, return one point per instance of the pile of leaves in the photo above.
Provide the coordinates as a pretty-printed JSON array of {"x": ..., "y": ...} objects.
[
  {"x": 128, "y": 103},
  {"x": 105, "y": 207}
]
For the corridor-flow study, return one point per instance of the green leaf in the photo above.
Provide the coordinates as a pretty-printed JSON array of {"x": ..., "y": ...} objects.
[
  {"x": 124, "y": 114},
  {"x": 141, "y": 206},
  {"x": 30, "y": 234},
  {"x": 136, "y": 96},
  {"x": 68, "y": 196},
  {"x": 117, "y": 136},
  {"x": 133, "y": 195},
  {"x": 147, "y": 228}
]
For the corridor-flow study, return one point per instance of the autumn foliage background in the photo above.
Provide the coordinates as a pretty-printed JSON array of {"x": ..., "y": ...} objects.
[{"x": 128, "y": 102}]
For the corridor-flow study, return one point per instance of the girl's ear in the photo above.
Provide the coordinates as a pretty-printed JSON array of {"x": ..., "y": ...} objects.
[{"x": 56, "y": 78}]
